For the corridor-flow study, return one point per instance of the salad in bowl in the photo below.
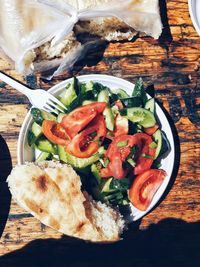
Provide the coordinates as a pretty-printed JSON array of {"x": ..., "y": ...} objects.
[{"x": 118, "y": 140}]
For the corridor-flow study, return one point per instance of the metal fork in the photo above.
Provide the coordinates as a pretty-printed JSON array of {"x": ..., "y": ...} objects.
[{"x": 39, "y": 98}]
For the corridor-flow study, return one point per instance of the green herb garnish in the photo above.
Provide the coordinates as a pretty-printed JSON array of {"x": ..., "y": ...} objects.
[
  {"x": 147, "y": 156},
  {"x": 110, "y": 134},
  {"x": 93, "y": 134},
  {"x": 153, "y": 145},
  {"x": 131, "y": 162},
  {"x": 139, "y": 91},
  {"x": 106, "y": 162},
  {"x": 133, "y": 152},
  {"x": 122, "y": 143},
  {"x": 121, "y": 185}
]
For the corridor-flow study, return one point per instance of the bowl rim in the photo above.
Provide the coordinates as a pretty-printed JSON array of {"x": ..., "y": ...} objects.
[
  {"x": 193, "y": 15},
  {"x": 104, "y": 78}
]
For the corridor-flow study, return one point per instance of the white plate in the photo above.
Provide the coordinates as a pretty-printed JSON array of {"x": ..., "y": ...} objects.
[
  {"x": 25, "y": 153},
  {"x": 194, "y": 8}
]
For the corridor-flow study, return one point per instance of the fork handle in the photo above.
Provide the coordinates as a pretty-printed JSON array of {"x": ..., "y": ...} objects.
[{"x": 17, "y": 85}]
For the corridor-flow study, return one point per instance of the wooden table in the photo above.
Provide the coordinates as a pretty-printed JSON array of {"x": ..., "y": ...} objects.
[{"x": 170, "y": 234}]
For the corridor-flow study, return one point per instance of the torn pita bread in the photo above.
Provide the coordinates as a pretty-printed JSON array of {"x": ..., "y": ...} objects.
[
  {"x": 51, "y": 192},
  {"x": 29, "y": 28},
  {"x": 139, "y": 16}
]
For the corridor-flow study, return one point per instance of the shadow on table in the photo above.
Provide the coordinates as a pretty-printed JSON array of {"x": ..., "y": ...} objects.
[
  {"x": 166, "y": 36},
  {"x": 177, "y": 154},
  {"x": 169, "y": 243},
  {"x": 5, "y": 169}
]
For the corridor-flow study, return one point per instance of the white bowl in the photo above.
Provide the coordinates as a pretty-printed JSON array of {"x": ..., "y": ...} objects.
[
  {"x": 194, "y": 8},
  {"x": 25, "y": 153}
]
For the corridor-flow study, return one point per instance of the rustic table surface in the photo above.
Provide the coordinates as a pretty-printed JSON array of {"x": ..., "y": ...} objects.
[{"x": 170, "y": 234}]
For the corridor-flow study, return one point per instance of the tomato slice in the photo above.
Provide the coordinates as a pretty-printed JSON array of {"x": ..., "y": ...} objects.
[
  {"x": 144, "y": 188},
  {"x": 79, "y": 118},
  {"x": 123, "y": 150},
  {"x": 117, "y": 152},
  {"x": 55, "y": 132},
  {"x": 82, "y": 146},
  {"x": 87, "y": 142},
  {"x": 114, "y": 169},
  {"x": 151, "y": 130},
  {"x": 99, "y": 123},
  {"x": 106, "y": 172},
  {"x": 120, "y": 149},
  {"x": 145, "y": 154}
]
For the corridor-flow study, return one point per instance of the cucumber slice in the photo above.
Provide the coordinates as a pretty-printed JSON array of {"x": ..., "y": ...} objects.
[
  {"x": 101, "y": 151},
  {"x": 150, "y": 105},
  {"x": 89, "y": 86},
  {"x": 74, "y": 161},
  {"x": 132, "y": 102},
  {"x": 34, "y": 133},
  {"x": 48, "y": 116},
  {"x": 109, "y": 119},
  {"x": 96, "y": 173},
  {"x": 103, "y": 96},
  {"x": 157, "y": 137},
  {"x": 68, "y": 96},
  {"x": 86, "y": 102},
  {"x": 43, "y": 156},
  {"x": 141, "y": 116},
  {"x": 60, "y": 117},
  {"x": 121, "y": 93},
  {"x": 36, "y": 129},
  {"x": 46, "y": 146},
  {"x": 106, "y": 186}
]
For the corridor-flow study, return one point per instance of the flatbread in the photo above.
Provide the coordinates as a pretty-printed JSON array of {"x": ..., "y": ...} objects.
[
  {"x": 52, "y": 193},
  {"x": 28, "y": 28}
]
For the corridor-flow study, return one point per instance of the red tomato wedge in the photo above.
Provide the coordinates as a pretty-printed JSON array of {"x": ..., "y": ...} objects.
[
  {"x": 114, "y": 169},
  {"x": 106, "y": 172},
  {"x": 144, "y": 188},
  {"x": 99, "y": 123},
  {"x": 55, "y": 132},
  {"x": 79, "y": 118},
  {"x": 87, "y": 142},
  {"x": 119, "y": 150},
  {"x": 123, "y": 150},
  {"x": 151, "y": 130},
  {"x": 145, "y": 154}
]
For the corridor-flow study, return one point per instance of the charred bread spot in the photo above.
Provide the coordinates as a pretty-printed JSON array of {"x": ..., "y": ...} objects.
[
  {"x": 32, "y": 205},
  {"x": 42, "y": 182},
  {"x": 41, "y": 210},
  {"x": 80, "y": 226}
]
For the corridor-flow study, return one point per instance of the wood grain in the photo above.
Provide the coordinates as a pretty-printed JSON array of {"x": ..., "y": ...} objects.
[{"x": 172, "y": 64}]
